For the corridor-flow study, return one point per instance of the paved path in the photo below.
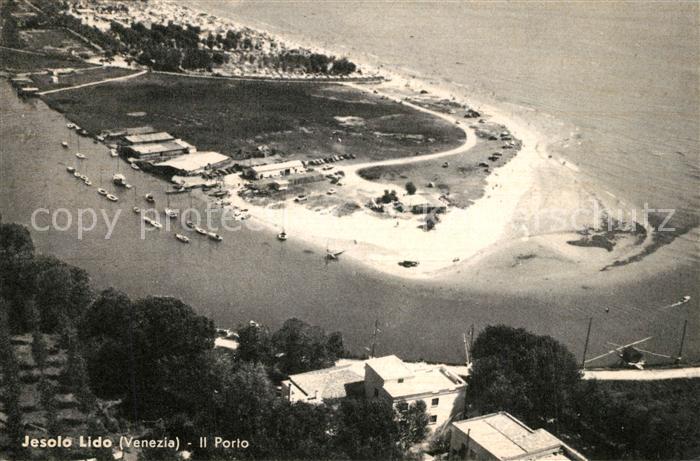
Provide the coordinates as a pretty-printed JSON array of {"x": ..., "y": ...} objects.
[
  {"x": 642, "y": 375},
  {"x": 99, "y": 82}
]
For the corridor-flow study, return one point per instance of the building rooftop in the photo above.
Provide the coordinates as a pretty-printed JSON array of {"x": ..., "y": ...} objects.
[
  {"x": 192, "y": 162},
  {"x": 148, "y": 137},
  {"x": 434, "y": 380},
  {"x": 505, "y": 437},
  {"x": 389, "y": 367},
  {"x": 329, "y": 383},
  {"x": 278, "y": 166},
  {"x": 155, "y": 148}
]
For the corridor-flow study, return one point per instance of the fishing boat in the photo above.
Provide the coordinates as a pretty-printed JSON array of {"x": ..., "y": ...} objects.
[
  {"x": 70, "y": 169},
  {"x": 214, "y": 236},
  {"x": 76, "y": 174},
  {"x": 87, "y": 182},
  {"x": 149, "y": 198},
  {"x": 182, "y": 238},
  {"x": 64, "y": 144},
  {"x": 156, "y": 224},
  {"x": 282, "y": 236},
  {"x": 135, "y": 167},
  {"x": 199, "y": 230},
  {"x": 80, "y": 156},
  {"x": 119, "y": 180},
  {"x": 112, "y": 198},
  {"x": 170, "y": 213},
  {"x": 101, "y": 191}
]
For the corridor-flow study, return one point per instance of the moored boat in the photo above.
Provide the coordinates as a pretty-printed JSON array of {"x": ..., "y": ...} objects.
[
  {"x": 119, "y": 180},
  {"x": 80, "y": 156},
  {"x": 70, "y": 169},
  {"x": 135, "y": 167},
  {"x": 101, "y": 191},
  {"x": 182, "y": 238},
  {"x": 170, "y": 213},
  {"x": 199, "y": 230},
  {"x": 215, "y": 236},
  {"x": 64, "y": 144},
  {"x": 112, "y": 198},
  {"x": 282, "y": 236},
  {"x": 87, "y": 182},
  {"x": 149, "y": 198},
  {"x": 136, "y": 209}
]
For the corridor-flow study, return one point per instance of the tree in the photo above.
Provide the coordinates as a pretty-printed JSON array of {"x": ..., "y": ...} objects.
[
  {"x": 410, "y": 188},
  {"x": 16, "y": 284},
  {"x": 412, "y": 423},
  {"x": 366, "y": 429},
  {"x": 303, "y": 347},
  {"x": 11, "y": 388},
  {"x": 533, "y": 377},
  {"x": 255, "y": 344},
  {"x": 39, "y": 352}
]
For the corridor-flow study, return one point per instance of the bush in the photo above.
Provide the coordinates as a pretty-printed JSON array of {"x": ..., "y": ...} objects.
[{"x": 410, "y": 188}]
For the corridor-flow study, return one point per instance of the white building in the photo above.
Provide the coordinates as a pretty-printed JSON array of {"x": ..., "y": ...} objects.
[
  {"x": 500, "y": 436},
  {"x": 442, "y": 391},
  {"x": 271, "y": 170}
]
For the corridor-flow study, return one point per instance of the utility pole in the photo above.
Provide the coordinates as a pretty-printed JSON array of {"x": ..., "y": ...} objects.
[
  {"x": 374, "y": 338},
  {"x": 680, "y": 349},
  {"x": 585, "y": 347},
  {"x": 466, "y": 348}
]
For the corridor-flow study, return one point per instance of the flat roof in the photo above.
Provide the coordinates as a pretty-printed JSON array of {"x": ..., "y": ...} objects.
[
  {"x": 435, "y": 380},
  {"x": 328, "y": 383},
  {"x": 156, "y": 147},
  {"x": 195, "y": 161},
  {"x": 149, "y": 137},
  {"x": 504, "y": 436},
  {"x": 389, "y": 367},
  {"x": 278, "y": 166}
]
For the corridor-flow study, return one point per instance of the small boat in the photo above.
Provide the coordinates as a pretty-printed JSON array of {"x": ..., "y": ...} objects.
[
  {"x": 170, "y": 213},
  {"x": 100, "y": 138},
  {"x": 101, "y": 191},
  {"x": 87, "y": 182},
  {"x": 147, "y": 220},
  {"x": 199, "y": 230},
  {"x": 82, "y": 132},
  {"x": 282, "y": 236},
  {"x": 149, "y": 198},
  {"x": 189, "y": 224},
  {"x": 64, "y": 144},
  {"x": 182, "y": 238},
  {"x": 408, "y": 263},
  {"x": 119, "y": 180},
  {"x": 76, "y": 174},
  {"x": 128, "y": 186},
  {"x": 112, "y": 198},
  {"x": 80, "y": 156},
  {"x": 135, "y": 167},
  {"x": 156, "y": 224},
  {"x": 113, "y": 153},
  {"x": 70, "y": 169},
  {"x": 136, "y": 209},
  {"x": 70, "y": 125},
  {"x": 215, "y": 236}
]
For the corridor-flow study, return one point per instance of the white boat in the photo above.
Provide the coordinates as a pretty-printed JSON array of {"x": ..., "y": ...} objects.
[
  {"x": 113, "y": 153},
  {"x": 101, "y": 191},
  {"x": 282, "y": 236},
  {"x": 64, "y": 144},
  {"x": 70, "y": 125},
  {"x": 76, "y": 174},
  {"x": 149, "y": 198},
  {"x": 189, "y": 224},
  {"x": 215, "y": 236},
  {"x": 70, "y": 169},
  {"x": 100, "y": 138},
  {"x": 136, "y": 209},
  {"x": 182, "y": 238},
  {"x": 135, "y": 167},
  {"x": 199, "y": 230},
  {"x": 80, "y": 156},
  {"x": 112, "y": 198},
  {"x": 119, "y": 180},
  {"x": 170, "y": 213},
  {"x": 156, "y": 224},
  {"x": 87, "y": 182},
  {"x": 128, "y": 186}
]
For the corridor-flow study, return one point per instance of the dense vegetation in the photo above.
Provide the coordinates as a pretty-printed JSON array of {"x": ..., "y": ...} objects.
[
  {"x": 537, "y": 379},
  {"x": 154, "y": 357}
]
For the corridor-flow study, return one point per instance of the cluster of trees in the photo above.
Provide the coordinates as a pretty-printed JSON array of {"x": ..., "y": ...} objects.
[
  {"x": 10, "y": 29},
  {"x": 537, "y": 379},
  {"x": 155, "y": 355}
]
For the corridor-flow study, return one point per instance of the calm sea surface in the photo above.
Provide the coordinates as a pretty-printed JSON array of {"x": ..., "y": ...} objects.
[{"x": 624, "y": 76}]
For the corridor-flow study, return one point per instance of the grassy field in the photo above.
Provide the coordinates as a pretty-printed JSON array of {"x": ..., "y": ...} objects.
[
  {"x": 301, "y": 120},
  {"x": 15, "y": 61},
  {"x": 43, "y": 82},
  {"x": 459, "y": 177}
]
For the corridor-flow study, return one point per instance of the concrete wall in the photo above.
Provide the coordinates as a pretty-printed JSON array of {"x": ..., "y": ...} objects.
[{"x": 461, "y": 448}]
